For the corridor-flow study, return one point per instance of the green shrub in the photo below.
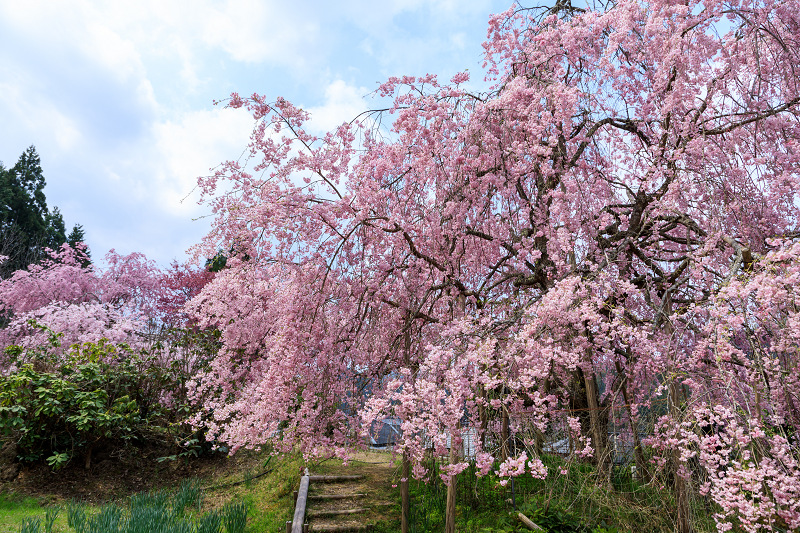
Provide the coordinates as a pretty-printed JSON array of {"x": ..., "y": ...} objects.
[{"x": 56, "y": 407}]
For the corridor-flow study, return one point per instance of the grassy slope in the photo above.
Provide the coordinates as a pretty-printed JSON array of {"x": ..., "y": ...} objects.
[
  {"x": 269, "y": 496},
  {"x": 483, "y": 505}
]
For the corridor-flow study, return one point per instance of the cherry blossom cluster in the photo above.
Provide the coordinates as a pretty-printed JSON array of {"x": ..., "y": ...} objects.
[{"x": 611, "y": 230}]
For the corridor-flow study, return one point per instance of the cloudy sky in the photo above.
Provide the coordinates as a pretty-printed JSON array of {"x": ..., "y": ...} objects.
[{"x": 118, "y": 96}]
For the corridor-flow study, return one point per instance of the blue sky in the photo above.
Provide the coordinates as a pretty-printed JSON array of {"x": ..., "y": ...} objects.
[{"x": 117, "y": 96}]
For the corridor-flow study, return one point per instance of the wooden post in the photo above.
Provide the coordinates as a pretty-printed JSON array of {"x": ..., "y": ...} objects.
[
  {"x": 450, "y": 510},
  {"x": 300, "y": 506},
  {"x": 405, "y": 497},
  {"x": 529, "y": 523},
  {"x": 681, "y": 488},
  {"x": 288, "y": 526}
]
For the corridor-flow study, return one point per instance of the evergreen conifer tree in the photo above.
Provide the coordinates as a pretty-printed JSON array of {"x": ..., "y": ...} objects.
[{"x": 27, "y": 226}]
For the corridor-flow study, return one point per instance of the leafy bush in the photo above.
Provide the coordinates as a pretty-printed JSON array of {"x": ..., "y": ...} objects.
[{"x": 57, "y": 406}]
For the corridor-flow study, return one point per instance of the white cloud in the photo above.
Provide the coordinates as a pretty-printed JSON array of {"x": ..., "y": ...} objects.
[
  {"x": 255, "y": 31},
  {"x": 343, "y": 102},
  {"x": 27, "y": 116},
  {"x": 191, "y": 146},
  {"x": 76, "y": 28}
]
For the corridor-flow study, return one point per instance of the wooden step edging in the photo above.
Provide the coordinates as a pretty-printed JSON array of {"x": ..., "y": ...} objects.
[
  {"x": 298, "y": 523},
  {"x": 342, "y": 529},
  {"x": 335, "y": 479},
  {"x": 336, "y": 512},
  {"x": 336, "y": 496}
]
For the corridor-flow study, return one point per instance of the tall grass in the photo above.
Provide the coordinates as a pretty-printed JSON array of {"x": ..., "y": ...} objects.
[
  {"x": 571, "y": 499},
  {"x": 149, "y": 512}
]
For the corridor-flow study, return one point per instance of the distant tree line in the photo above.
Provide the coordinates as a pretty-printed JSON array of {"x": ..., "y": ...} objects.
[{"x": 27, "y": 225}]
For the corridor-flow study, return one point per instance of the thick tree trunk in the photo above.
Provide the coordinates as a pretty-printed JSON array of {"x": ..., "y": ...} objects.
[
  {"x": 642, "y": 470},
  {"x": 87, "y": 463},
  {"x": 683, "y": 523},
  {"x": 505, "y": 437},
  {"x": 598, "y": 431}
]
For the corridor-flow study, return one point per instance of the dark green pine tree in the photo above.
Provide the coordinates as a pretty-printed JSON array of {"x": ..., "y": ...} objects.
[
  {"x": 76, "y": 236},
  {"x": 23, "y": 201},
  {"x": 56, "y": 232},
  {"x": 27, "y": 226}
]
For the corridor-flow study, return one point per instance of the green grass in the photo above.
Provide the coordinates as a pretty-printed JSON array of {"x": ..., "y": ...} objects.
[
  {"x": 15, "y": 509},
  {"x": 575, "y": 502},
  {"x": 169, "y": 512},
  {"x": 269, "y": 498}
]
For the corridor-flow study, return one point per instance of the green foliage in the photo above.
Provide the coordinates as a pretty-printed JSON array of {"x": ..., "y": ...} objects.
[
  {"x": 575, "y": 501},
  {"x": 30, "y": 525},
  {"x": 217, "y": 263},
  {"x": 211, "y": 522},
  {"x": 51, "y": 513},
  {"x": 100, "y": 393},
  {"x": 189, "y": 495},
  {"x": 76, "y": 517},
  {"x": 53, "y": 413},
  {"x": 55, "y": 232},
  {"x": 78, "y": 235},
  {"x": 34, "y": 524},
  {"x": 556, "y": 520},
  {"x": 604, "y": 529},
  {"x": 234, "y": 516},
  {"x": 109, "y": 519},
  {"x": 159, "y": 512}
]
